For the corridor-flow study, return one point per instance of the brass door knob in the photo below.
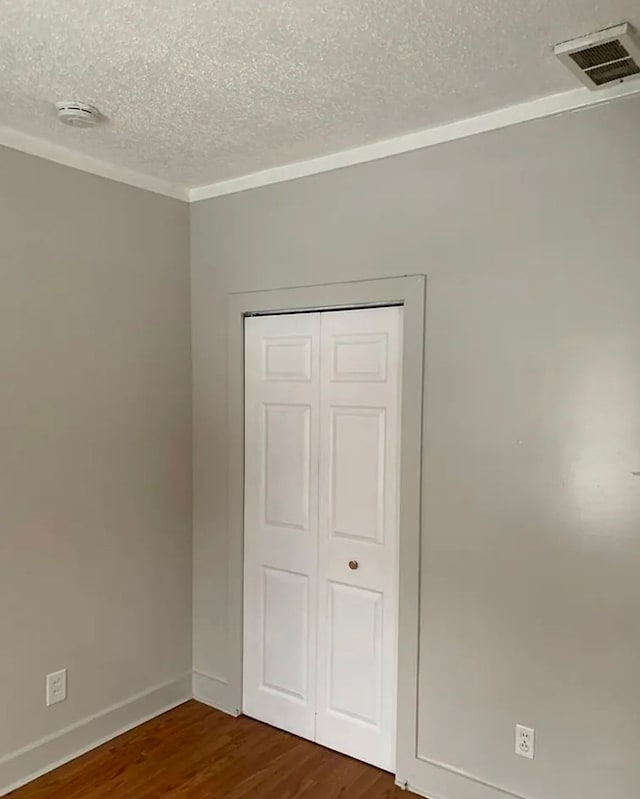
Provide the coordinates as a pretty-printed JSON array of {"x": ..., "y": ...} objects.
[{"x": 353, "y": 564}]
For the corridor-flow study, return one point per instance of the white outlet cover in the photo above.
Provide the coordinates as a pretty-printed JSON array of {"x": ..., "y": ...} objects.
[
  {"x": 525, "y": 741},
  {"x": 56, "y": 687}
]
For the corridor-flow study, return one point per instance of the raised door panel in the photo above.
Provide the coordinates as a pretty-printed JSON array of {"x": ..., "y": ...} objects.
[
  {"x": 355, "y": 652},
  {"x": 287, "y": 358},
  {"x": 359, "y": 357},
  {"x": 357, "y": 473},
  {"x": 285, "y": 633},
  {"x": 286, "y": 464}
]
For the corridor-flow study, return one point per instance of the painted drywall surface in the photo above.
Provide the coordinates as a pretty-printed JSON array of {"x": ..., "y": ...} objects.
[
  {"x": 95, "y": 415},
  {"x": 531, "y": 521}
]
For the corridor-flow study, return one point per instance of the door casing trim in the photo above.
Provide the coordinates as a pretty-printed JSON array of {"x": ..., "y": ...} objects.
[{"x": 408, "y": 291}]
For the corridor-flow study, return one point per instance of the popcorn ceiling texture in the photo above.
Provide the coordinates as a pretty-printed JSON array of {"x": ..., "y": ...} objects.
[{"x": 198, "y": 92}]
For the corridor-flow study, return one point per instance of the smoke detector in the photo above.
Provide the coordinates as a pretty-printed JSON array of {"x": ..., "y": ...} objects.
[
  {"x": 602, "y": 58},
  {"x": 78, "y": 115}
]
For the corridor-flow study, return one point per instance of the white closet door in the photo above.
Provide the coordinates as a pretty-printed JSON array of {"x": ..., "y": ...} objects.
[
  {"x": 281, "y": 520},
  {"x": 358, "y": 513}
]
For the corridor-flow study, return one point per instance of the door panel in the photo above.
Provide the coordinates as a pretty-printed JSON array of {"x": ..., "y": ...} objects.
[
  {"x": 360, "y": 357},
  {"x": 281, "y": 520},
  {"x": 286, "y": 439},
  {"x": 355, "y": 625},
  {"x": 357, "y": 447},
  {"x": 286, "y": 632},
  {"x": 287, "y": 358},
  {"x": 358, "y": 523}
]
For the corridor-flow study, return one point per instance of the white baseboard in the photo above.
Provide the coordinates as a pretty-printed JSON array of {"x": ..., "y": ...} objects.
[
  {"x": 435, "y": 780},
  {"x": 427, "y": 778},
  {"x": 30, "y": 762},
  {"x": 213, "y": 691}
]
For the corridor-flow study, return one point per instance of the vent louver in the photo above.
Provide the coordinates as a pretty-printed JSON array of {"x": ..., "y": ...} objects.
[{"x": 602, "y": 58}]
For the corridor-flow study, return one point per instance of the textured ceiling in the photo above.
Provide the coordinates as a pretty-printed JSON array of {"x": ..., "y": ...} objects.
[{"x": 198, "y": 92}]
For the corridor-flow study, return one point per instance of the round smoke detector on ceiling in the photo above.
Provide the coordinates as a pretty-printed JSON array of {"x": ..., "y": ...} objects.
[{"x": 78, "y": 115}]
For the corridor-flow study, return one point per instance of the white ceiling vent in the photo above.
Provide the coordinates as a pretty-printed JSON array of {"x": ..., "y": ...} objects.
[{"x": 602, "y": 58}]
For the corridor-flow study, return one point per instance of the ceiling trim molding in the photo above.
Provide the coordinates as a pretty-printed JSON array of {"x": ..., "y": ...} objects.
[
  {"x": 551, "y": 105},
  {"x": 16, "y": 140}
]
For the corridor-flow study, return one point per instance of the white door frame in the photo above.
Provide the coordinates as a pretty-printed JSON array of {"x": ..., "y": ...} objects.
[{"x": 408, "y": 291}]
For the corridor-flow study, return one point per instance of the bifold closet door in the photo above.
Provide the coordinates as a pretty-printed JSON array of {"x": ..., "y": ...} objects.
[
  {"x": 358, "y": 533},
  {"x": 282, "y": 398},
  {"x": 322, "y": 405}
]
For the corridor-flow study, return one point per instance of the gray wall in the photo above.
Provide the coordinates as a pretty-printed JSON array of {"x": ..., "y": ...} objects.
[
  {"x": 95, "y": 416},
  {"x": 530, "y": 238}
]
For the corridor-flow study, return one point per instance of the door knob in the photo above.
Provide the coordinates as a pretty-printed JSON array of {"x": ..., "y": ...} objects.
[{"x": 353, "y": 564}]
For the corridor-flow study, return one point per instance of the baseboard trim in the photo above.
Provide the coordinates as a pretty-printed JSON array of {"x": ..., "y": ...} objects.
[
  {"x": 427, "y": 778},
  {"x": 434, "y": 780},
  {"x": 32, "y": 761},
  {"x": 213, "y": 691}
]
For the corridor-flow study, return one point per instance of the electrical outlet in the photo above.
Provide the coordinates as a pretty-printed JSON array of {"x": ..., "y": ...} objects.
[
  {"x": 56, "y": 687},
  {"x": 525, "y": 741}
]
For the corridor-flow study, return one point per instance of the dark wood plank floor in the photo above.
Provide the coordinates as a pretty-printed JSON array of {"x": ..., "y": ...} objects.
[{"x": 194, "y": 752}]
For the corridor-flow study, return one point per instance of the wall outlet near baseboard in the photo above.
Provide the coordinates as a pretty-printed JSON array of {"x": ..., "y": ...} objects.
[
  {"x": 56, "y": 684},
  {"x": 525, "y": 741}
]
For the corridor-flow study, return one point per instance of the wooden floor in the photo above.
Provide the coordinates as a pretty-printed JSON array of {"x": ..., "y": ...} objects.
[{"x": 194, "y": 752}]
